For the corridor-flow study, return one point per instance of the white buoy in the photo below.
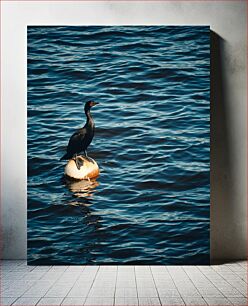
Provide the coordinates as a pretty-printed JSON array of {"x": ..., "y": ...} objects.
[{"x": 88, "y": 170}]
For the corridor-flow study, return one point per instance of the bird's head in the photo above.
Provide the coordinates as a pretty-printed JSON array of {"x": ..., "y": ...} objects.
[{"x": 89, "y": 104}]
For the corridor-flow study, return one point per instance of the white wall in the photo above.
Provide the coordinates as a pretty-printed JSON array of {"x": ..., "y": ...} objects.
[{"x": 229, "y": 98}]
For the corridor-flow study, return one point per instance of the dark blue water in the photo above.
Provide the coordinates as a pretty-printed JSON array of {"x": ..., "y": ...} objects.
[{"x": 150, "y": 204}]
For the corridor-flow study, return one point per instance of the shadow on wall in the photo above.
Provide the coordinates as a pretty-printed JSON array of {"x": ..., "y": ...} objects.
[{"x": 223, "y": 225}]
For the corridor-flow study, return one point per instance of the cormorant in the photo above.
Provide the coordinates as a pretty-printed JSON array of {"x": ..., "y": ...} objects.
[{"x": 81, "y": 139}]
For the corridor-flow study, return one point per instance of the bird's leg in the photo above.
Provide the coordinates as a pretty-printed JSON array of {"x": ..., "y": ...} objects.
[
  {"x": 87, "y": 157},
  {"x": 78, "y": 161},
  {"x": 74, "y": 157}
]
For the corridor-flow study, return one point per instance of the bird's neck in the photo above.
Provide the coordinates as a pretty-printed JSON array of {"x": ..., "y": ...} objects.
[{"x": 88, "y": 116}]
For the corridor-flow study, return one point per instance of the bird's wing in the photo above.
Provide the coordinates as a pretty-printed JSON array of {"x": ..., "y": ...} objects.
[{"x": 75, "y": 141}]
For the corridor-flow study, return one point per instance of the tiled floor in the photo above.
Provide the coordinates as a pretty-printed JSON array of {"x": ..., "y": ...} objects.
[{"x": 123, "y": 285}]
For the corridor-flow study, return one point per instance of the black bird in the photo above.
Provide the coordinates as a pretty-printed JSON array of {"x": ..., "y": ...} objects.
[{"x": 81, "y": 139}]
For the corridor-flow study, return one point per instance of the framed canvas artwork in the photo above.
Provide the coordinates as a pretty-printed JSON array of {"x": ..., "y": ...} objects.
[{"x": 118, "y": 145}]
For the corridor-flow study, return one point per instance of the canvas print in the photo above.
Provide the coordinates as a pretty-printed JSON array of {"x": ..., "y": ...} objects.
[{"x": 118, "y": 145}]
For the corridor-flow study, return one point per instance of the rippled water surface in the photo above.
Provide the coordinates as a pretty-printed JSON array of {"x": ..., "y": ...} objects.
[{"x": 150, "y": 204}]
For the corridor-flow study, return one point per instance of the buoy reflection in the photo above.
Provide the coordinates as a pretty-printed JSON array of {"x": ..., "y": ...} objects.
[{"x": 82, "y": 188}]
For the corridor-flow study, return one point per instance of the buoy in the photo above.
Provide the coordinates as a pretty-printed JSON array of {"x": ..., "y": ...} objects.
[{"x": 89, "y": 168}]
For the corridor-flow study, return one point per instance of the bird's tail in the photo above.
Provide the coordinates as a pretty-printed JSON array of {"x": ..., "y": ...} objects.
[{"x": 66, "y": 156}]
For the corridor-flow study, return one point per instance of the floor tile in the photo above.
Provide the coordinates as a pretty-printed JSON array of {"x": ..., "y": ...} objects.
[
  {"x": 162, "y": 276},
  {"x": 167, "y": 301},
  {"x": 142, "y": 269},
  {"x": 58, "y": 290},
  {"x": 164, "y": 292},
  {"x": 24, "y": 267},
  {"x": 73, "y": 301},
  {"x": 239, "y": 301},
  {"x": 149, "y": 302},
  {"x": 99, "y": 301},
  {"x": 75, "y": 269},
  {"x": 121, "y": 301},
  {"x": 189, "y": 292},
  {"x": 217, "y": 301},
  {"x": 51, "y": 276},
  {"x": 7, "y": 301},
  {"x": 58, "y": 268},
  {"x": 106, "y": 275},
  {"x": 194, "y": 301},
  {"x": 210, "y": 292},
  {"x": 105, "y": 284},
  {"x": 145, "y": 282},
  {"x": 42, "y": 268},
  {"x": 102, "y": 292},
  {"x": 13, "y": 293},
  {"x": 108, "y": 268},
  {"x": 91, "y": 269},
  {"x": 26, "y": 301},
  {"x": 15, "y": 275},
  {"x": 39, "y": 289},
  {"x": 50, "y": 301},
  {"x": 34, "y": 275},
  {"x": 126, "y": 292},
  {"x": 126, "y": 283},
  {"x": 147, "y": 292},
  {"x": 229, "y": 291},
  {"x": 79, "y": 291},
  {"x": 164, "y": 283},
  {"x": 126, "y": 269},
  {"x": 159, "y": 269},
  {"x": 69, "y": 276},
  {"x": 83, "y": 279}
]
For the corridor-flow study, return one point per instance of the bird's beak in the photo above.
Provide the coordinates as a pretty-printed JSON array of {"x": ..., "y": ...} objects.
[{"x": 95, "y": 103}]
